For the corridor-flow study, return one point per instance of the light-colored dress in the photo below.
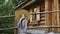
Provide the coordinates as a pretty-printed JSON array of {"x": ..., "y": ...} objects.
[{"x": 22, "y": 27}]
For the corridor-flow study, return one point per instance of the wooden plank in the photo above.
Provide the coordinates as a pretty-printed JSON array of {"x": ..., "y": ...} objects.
[
  {"x": 44, "y": 27},
  {"x": 58, "y": 23},
  {"x": 28, "y": 3},
  {"x": 46, "y": 15},
  {"x": 59, "y": 14},
  {"x": 50, "y": 15},
  {"x": 55, "y": 16},
  {"x": 43, "y": 18},
  {"x": 42, "y": 23}
]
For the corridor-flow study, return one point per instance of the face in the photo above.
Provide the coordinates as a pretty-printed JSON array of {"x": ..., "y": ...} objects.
[{"x": 23, "y": 16}]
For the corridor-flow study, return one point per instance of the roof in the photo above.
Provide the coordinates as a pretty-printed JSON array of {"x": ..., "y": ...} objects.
[
  {"x": 25, "y": 3},
  {"x": 28, "y": 3}
]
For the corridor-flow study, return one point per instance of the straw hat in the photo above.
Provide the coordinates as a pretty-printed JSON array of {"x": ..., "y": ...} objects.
[{"x": 21, "y": 11}]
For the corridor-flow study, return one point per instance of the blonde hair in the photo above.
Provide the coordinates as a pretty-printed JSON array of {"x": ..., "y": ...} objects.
[
  {"x": 21, "y": 15},
  {"x": 19, "y": 12}
]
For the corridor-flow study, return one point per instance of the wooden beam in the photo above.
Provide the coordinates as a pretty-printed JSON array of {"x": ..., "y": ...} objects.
[
  {"x": 48, "y": 26},
  {"x": 27, "y": 3}
]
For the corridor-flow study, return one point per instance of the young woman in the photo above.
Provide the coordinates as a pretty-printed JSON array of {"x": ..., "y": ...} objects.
[{"x": 22, "y": 25}]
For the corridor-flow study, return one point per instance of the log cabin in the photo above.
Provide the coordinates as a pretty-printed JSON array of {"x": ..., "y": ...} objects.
[{"x": 42, "y": 21}]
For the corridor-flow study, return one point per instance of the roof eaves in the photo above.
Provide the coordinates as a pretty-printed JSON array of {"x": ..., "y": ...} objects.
[
  {"x": 28, "y": 3},
  {"x": 24, "y": 5},
  {"x": 20, "y": 4}
]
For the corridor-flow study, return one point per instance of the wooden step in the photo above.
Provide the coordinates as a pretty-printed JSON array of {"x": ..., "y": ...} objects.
[
  {"x": 42, "y": 23},
  {"x": 43, "y": 18}
]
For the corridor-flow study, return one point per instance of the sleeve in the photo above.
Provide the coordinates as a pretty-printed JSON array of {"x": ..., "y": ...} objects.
[{"x": 25, "y": 25}]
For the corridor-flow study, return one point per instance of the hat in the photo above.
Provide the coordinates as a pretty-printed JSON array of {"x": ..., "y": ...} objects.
[{"x": 19, "y": 12}]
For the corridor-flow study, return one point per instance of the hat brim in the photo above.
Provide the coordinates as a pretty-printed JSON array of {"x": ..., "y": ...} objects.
[{"x": 21, "y": 11}]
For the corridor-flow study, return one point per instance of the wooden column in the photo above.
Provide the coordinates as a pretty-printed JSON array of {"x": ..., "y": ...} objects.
[
  {"x": 38, "y": 15},
  {"x": 58, "y": 23},
  {"x": 34, "y": 16},
  {"x": 48, "y": 17},
  {"x": 31, "y": 16},
  {"x": 46, "y": 9},
  {"x": 59, "y": 15},
  {"x": 55, "y": 16}
]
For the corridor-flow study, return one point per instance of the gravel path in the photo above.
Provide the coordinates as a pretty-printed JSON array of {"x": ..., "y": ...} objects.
[{"x": 39, "y": 32}]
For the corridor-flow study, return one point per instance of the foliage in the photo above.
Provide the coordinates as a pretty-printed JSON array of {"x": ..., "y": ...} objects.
[{"x": 7, "y": 7}]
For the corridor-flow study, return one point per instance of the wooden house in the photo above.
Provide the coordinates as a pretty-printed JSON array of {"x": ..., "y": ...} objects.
[{"x": 42, "y": 21}]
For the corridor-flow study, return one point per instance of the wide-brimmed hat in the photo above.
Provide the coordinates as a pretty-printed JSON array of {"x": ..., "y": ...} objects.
[{"x": 21, "y": 11}]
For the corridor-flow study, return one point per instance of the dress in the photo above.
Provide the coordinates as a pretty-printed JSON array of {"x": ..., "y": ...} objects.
[{"x": 22, "y": 27}]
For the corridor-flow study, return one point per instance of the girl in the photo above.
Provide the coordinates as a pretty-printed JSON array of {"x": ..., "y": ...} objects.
[{"x": 22, "y": 25}]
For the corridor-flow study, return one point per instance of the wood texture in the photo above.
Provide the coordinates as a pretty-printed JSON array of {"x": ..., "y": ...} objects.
[
  {"x": 55, "y": 16},
  {"x": 51, "y": 19}
]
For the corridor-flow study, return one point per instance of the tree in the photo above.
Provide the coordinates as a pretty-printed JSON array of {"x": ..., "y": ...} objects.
[{"x": 7, "y": 7}]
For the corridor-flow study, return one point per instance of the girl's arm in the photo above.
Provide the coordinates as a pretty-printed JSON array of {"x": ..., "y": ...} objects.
[{"x": 25, "y": 25}]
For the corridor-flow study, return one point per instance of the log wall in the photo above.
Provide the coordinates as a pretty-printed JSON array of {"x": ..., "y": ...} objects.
[{"x": 51, "y": 19}]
